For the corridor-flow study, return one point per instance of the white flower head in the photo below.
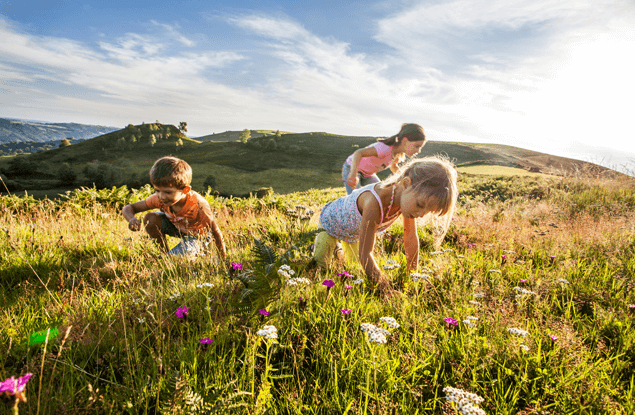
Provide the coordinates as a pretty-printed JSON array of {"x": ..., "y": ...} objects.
[
  {"x": 205, "y": 284},
  {"x": 390, "y": 322},
  {"x": 469, "y": 323},
  {"x": 367, "y": 327},
  {"x": 518, "y": 332},
  {"x": 358, "y": 281},
  {"x": 268, "y": 332},
  {"x": 563, "y": 281}
]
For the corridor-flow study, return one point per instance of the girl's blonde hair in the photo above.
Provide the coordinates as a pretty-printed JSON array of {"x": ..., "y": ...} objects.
[
  {"x": 413, "y": 132},
  {"x": 435, "y": 180}
]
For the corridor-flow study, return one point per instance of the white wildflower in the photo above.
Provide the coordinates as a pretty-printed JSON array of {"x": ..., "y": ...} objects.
[
  {"x": 524, "y": 348},
  {"x": 205, "y": 284},
  {"x": 478, "y": 295},
  {"x": 469, "y": 323},
  {"x": 141, "y": 320},
  {"x": 448, "y": 250},
  {"x": 268, "y": 332},
  {"x": 563, "y": 281},
  {"x": 390, "y": 322},
  {"x": 367, "y": 327},
  {"x": 494, "y": 271},
  {"x": 474, "y": 283},
  {"x": 174, "y": 296},
  {"x": 524, "y": 291},
  {"x": 436, "y": 252},
  {"x": 376, "y": 337},
  {"x": 296, "y": 281},
  {"x": 466, "y": 402},
  {"x": 426, "y": 270},
  {"x": 415, "y": 276},
  {"x": 358, "y": 281},
  {"x": 460, "y": 256},
  {"x": 472, "y": 318},
  {"x": 474, "y": 302},
  {"x": 518, "y": 332}
]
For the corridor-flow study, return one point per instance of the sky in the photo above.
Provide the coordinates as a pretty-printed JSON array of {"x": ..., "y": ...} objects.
[{"x": 554, "y": 76}]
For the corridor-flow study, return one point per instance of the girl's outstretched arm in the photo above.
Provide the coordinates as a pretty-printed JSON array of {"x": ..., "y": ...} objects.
[
  {"x": 411, "y": 243},
  {"x": 357, "y": 157},
  {"x": 369, "y": 208},
  {"x": 218, "y": 239}
]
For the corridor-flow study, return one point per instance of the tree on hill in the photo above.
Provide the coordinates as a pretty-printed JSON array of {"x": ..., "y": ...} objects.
[
  {"x": 66, "y": 174},
  {"x": 183, "y": 127},
  {"x": 65, "y": 143},
  {"x": 245, "y": 136},
  {"x": 153, "y": 140},
  {"x": 278, "y": 134}
]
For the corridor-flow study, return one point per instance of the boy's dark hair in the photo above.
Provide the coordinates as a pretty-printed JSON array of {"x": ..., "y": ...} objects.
[
  {"x": 171, "y": 171},
  {"x": 413, "y": 132}
]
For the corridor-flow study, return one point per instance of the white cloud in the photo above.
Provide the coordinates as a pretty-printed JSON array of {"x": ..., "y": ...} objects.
[{"x": 174, "y": 32}]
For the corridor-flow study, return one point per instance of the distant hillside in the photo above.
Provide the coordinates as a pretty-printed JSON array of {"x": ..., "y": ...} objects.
[
  {"x": 288, "y": 163},
  {"x": 41, "y": 132},
  {"x": 235, "y": 135}
]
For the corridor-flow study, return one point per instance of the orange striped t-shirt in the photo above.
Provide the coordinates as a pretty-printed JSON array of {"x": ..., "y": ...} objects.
[{"x": 194, "y": 217}]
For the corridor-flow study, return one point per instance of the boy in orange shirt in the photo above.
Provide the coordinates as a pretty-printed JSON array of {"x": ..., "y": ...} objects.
[{"x": 183, "y": 213}]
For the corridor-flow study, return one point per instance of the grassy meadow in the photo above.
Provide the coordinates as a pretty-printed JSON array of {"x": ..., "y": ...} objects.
[{"x": 529, "y": 304}]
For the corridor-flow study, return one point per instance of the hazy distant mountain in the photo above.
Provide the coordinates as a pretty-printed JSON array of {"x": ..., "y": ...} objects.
[{"x": 23, "y": 130}]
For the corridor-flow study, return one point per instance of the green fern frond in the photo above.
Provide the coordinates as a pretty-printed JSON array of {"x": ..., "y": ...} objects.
[{"x": 264, "y": 254}]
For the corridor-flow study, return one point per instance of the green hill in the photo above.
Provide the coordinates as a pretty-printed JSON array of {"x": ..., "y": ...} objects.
[{"x": 288, "y": 163}]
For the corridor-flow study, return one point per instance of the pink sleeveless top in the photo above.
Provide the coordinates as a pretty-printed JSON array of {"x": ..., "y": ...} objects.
[{"x": 371, "y": 165}]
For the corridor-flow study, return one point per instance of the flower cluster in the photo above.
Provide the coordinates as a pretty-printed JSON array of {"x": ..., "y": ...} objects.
[
  {"x": 390, "y": 322},
  {"x": 236, "y": 266},
  {"x": 205, "y": 284},
  {"x": 469, "y": 321},
  {"x": 478, "y": 295},
  {"x": 436, "y": 252},
  {"x": 466, "y": 402},
  {"x": 300, "y": 211},
  {"x": 495, "y": 271},
  {"x": 358, "y": 281},
  {"x": 174, "y": 296},
  {"x": 377, "y": 334},
  {"x": 391, "y": 264},
  {"x": 205, "y": 341},
  {"x": 296, "y": 281},
  {"x": 563, "y": 281},
  {"x": 286, "y": 271},
  {"x": 518, "y": 332},
  {"x": 345, "y": 311},
  {"x": 268, "y": 332},
  {"x": 523, "y": 291},
  {"x": 415, "y": 276}
]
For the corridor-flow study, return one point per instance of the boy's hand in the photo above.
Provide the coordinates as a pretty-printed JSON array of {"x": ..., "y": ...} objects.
[{"x": 134, "y": 224}]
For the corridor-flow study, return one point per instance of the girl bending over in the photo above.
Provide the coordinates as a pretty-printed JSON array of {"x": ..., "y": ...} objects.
[
  {"x": 422, "y": 186},
  {"x": 360, "y": 168}
]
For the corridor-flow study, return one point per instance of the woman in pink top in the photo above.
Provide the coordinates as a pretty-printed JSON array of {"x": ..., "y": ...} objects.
[{"x": 361, "y": 167}]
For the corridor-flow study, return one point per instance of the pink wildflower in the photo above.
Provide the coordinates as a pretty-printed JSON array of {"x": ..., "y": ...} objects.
[
  {"x": 181, "y": 311},
  {"x": 345, "y": 274},
  {"x": 205, "y": 341},
  {"x": 348, "y": 287},
  {"x": 17, "y": 387},
  {"x": 450, "y": 320},
  {"x": 328, "y": 283},
  {"x": 236, "y": 265},
  {"x": 345, "y": 311},
  {"x": 553, "y": 337},
  {"x": 264, "y": 312}
]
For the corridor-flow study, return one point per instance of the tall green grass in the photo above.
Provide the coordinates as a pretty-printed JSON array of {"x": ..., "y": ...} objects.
[{"x": 560, "y": 262}]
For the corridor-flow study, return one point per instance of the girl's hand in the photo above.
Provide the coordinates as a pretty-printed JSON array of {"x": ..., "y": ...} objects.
[
  {"x": 352, "y": 181},
  {"x": 134, "y": 224}
]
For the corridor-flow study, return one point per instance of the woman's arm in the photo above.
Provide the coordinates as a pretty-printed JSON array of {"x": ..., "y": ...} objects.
[
  {"x": 218, "y": 239},
  {"x": 357, "y": 157},
  {"x": 411, "y": 244}
]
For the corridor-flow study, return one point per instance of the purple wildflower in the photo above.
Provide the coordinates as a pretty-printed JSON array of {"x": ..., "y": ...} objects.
[
  {"x": 205, "y": 341},
  {"x": 328, "y": 283},
  {"x": 13, "y": 386},
  {"x": 181, "y": 311},
  {"x": 631, "y": 306},
  {"x": 450, "y": 320},
  {"x": 236, "y": 265},
  {"x": 345, "y": 311},
  {"x": 553, "y": 337},
  {"x": 523, "y": 280},
  {"x": 345, "y": 274},
  {"x": 264, "y": 312},
  {"x": 348, "y": 287}
]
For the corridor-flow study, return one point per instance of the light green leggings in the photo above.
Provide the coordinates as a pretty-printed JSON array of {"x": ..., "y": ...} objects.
[{"x": 326, "y": 245}]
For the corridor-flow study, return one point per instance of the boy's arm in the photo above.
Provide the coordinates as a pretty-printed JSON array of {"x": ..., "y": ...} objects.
[
  {"x": 129, "y": 212},
  {"x": 218, "y": 239},
  {"x": 411, "y": 244}
]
